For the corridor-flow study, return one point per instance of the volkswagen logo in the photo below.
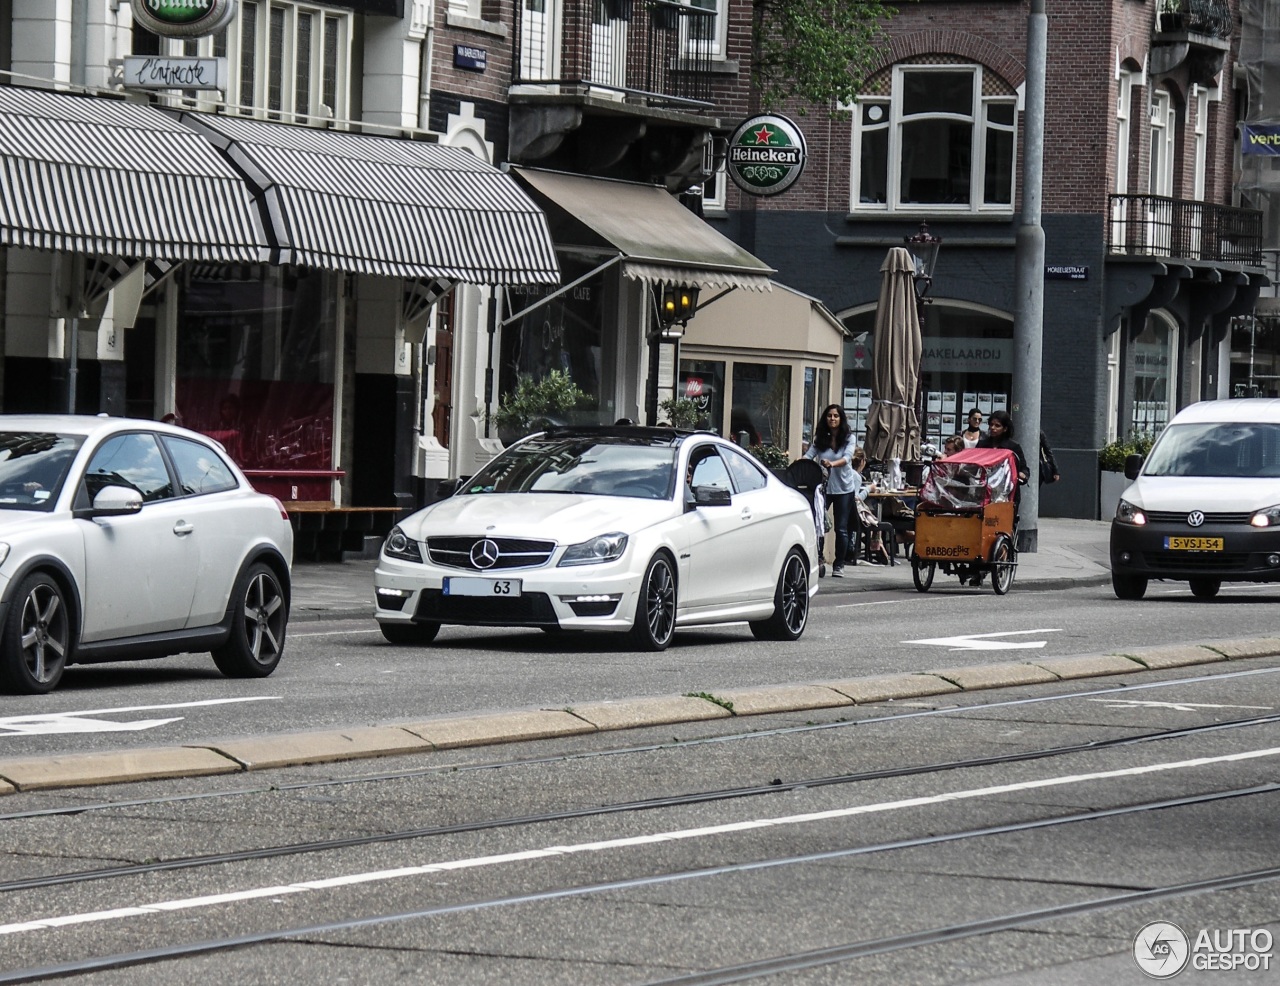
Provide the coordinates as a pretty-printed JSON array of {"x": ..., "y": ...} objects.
[
  {"x": 484, "y": 554},
  {"x": 1195, "y": 518}
]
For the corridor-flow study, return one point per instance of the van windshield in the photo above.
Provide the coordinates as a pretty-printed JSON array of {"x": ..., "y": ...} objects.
[{"x": 1239, "y": 448}]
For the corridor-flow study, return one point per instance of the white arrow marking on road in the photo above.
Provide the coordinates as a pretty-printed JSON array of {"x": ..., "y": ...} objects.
[
  {"x": 985, "y": 641},
  {"x": 1113, "y": 703},
  {"x": 87, "y": 721}
]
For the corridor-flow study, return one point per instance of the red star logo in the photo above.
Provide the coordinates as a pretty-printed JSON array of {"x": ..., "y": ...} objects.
[{"x": 762, "y": 135}]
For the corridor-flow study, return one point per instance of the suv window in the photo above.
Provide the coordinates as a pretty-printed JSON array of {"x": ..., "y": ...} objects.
[
  {"x": 133, "y": 461},
  {"x": 200, "y": 470},
  {"x": 746, "y": 474}
]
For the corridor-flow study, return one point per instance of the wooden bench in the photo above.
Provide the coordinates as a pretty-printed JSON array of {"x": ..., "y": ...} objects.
[{"x": 322, "y": 531}]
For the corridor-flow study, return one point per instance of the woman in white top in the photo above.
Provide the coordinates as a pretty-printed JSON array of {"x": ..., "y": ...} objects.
[
  {"x": 833, "y": 449},
  {"x": 973, "y": 432}
]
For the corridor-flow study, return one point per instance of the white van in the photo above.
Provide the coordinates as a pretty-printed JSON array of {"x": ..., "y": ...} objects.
[{"x": 1204, "y": 506}]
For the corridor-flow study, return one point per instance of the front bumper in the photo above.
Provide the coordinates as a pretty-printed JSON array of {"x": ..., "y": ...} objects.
[
  {"x": 590, "y": 597},
  {"x": 1248, "y": 554}
]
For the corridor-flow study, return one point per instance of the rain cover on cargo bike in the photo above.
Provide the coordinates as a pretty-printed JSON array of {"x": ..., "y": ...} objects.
[{"x": 964, "y": 519}]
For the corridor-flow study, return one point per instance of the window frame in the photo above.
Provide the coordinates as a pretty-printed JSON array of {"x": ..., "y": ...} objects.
[
  {"x": 980, "y": 123},
  {"x": 230, "y": 44}
]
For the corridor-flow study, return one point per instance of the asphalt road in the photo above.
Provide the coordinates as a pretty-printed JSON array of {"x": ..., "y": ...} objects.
[
  {"x": 337, "y": 674},
  {"x": 1014, "y": 836}
]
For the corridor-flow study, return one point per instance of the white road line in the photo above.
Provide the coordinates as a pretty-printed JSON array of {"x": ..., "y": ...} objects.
[
  {"x": 879, "y": 602},
  {"x": 374, "y": 876},
  {"x": 333, "y": 633},
  {"x": 145, "y": 708}
]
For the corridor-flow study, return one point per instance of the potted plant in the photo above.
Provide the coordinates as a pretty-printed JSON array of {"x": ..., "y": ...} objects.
[
  {"x": 1111, "y": 479},
  {"x": 1171, "y": 13},
  {"x": 770, "y": 456},
  {"x": 682, "y": 412},
  {"x": 533, "y": 403}
]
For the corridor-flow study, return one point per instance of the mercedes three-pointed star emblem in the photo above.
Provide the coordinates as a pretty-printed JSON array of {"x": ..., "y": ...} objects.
[{"x": 484, "y": 554}]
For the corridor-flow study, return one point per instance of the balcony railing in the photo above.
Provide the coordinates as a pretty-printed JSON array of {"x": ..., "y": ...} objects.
[
  {"x": 1211, "y": 18},
  {"x": 654, "y": 52},
  {"x": 1184, "y": 229}
]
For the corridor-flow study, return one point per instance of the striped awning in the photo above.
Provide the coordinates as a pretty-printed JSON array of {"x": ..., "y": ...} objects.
[
  {"x": 103, "y": 176},
  {"x": 386, "y": 206},
  {"x": 660, "y": 240}
]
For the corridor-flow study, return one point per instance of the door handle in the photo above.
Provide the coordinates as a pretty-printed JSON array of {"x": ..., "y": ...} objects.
[
  {"x": 182, "y": 528},
  {"x": 746, "y": 513}
]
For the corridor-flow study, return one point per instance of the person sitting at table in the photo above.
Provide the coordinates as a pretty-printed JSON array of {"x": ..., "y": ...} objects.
[{"x": 867, "y": 529}]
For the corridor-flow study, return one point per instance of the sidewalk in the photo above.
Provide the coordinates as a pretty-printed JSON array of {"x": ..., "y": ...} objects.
[{"x": 1071, "y": 552}]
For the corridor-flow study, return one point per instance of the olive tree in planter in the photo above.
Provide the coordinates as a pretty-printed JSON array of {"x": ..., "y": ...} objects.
[
  {"x": 532, "y": 405},
  {"x": 681, "y": 412},
  {"x": 1111, "y": 478}
]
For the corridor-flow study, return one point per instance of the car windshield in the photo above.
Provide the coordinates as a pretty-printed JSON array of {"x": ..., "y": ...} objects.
[
  {"x": 33, "y": 467},
  {"x": 618, "y": 467},
  {"x": 1236, "y": 448}
]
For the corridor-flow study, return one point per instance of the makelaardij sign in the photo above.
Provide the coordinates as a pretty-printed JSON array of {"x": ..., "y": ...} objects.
[
  {"x": 184, "y": 18},
  {"x": 766, "y": 155}
]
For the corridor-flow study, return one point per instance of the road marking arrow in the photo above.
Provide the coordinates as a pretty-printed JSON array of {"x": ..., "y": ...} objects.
[
  {"x": 91, "y": 721},
  {"x": 1113, "y": 703},
  {"x": 986, "y": 641}
]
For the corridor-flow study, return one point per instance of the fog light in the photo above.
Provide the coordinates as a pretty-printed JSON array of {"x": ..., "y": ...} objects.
[
  {"x": 395, "y": 593},
  {"x": 1126, "y": 557},
  {"x": 1273, "y": 560}
]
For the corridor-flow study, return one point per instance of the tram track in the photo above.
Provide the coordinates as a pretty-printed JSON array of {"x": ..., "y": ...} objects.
[
  {"x": 751, "y": 970},
  {"x": 648, "y": 804}
]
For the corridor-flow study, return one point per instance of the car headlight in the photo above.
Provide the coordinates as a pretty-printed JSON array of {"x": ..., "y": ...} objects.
[
  {"x": 606, "y": 547},
  {"x": 1266, "y": 517},
  {"x": 400, "y": 545},
  {"x": 1127, "y": 513}
]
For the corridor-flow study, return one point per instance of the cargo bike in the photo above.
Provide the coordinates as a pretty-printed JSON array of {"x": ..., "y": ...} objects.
[{"x": 965, "y": 520}]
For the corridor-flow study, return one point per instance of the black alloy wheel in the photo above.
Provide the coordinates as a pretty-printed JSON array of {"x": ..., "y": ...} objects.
[
  {"x": 655, "y": 623},
  {"x": 259, "y": 616},
  {"x": 36, "y": 638},
  {"x": 790, "y": 602}
]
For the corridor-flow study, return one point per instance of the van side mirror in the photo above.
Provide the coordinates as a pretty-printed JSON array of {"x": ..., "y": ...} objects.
[{"x": 1133, "y": 465}]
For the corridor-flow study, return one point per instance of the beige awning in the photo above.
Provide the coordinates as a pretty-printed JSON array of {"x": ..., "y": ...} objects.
[{"x": 660, "y": 240}]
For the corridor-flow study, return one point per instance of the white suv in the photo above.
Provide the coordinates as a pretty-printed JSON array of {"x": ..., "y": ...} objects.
[{"x": 123, "y": 539}]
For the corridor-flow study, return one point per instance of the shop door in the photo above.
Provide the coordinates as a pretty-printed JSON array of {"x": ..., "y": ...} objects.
[{"x": 442, "y": 415}]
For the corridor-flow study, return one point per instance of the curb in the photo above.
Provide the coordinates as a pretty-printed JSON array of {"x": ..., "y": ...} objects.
[{"x": 455, "y": 732}]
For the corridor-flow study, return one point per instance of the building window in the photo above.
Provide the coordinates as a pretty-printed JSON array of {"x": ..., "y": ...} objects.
[
  {"x": 761, "y": 404},
  {"x": 1201, "y": 103},
  {"x": 1163, "y": 131},
  {"x": 706, "y": 34},
  {"x": 942, "y": 139},
  {"x": 288, "y": 61},
  {"x": 1155, "y": 368}
]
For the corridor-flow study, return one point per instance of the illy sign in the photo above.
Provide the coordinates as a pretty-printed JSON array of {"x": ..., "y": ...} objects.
[
  {"x": 184, "y": 18},
  {"x": 766, "y": 155}
]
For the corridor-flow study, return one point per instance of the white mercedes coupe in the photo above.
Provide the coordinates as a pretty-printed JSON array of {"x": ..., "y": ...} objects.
[
  {"x": 123, "y": 539},
  {"x": 641, "y": 530}
]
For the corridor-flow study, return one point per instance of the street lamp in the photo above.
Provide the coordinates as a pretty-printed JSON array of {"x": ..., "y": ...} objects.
[
  {"x": 677, "y": 303},
  {"x": 924, "y": 251}
]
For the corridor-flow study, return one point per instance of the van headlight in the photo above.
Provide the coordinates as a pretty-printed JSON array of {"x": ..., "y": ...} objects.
[
  {"x": 1127, "y": 513},
  {"x": 1267, "y": 517},
  {"x": 606, "y": 547},
  {"x": 400, "y": 545}
]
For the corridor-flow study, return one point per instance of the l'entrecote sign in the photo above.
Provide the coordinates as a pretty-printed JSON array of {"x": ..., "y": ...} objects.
[
  {"x": 766, "y": 155},
  {"x": 184, "y": 18}
]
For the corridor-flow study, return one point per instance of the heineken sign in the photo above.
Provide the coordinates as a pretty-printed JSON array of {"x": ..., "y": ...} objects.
[
  {"x": 766, "y": 155},
  {"x": 184, "y": 18}
]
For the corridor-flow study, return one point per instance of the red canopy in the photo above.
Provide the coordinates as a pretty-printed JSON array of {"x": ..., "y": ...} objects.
[{"x": 981, "y": 456}]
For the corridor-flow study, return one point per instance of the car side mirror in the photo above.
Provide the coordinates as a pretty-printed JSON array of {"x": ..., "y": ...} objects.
[
  {"x": 1133, "y": 465},
  {"x": 711, "y": 496},
  {"x": 112, "y": 501}
]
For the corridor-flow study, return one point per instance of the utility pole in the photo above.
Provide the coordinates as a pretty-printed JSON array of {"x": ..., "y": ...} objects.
[{"x": 1028, "y": 319}]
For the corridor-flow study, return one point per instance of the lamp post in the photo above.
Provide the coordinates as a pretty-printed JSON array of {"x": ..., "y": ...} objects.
[
  {"x": 924, "y": 247},
  {"x": 674, "y": 305}
]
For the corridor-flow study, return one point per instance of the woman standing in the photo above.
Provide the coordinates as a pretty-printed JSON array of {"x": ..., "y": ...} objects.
[
  {"x": 833, "y": 449},
  {"x": 1000, "y": 435},
  {"x": 972, "y": 433}
]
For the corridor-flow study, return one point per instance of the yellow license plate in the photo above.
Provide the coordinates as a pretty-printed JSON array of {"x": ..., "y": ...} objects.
[{"x": 1193, "y": 544}]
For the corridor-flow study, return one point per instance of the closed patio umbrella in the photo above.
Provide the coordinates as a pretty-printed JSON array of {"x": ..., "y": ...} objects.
[{"x": 893, "y": 429}]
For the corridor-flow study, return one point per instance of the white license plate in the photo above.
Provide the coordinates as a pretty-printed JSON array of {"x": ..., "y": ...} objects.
[{"x": 464, "y": 586}]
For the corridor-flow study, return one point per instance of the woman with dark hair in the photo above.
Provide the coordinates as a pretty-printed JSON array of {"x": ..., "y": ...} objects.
[
  {"x": 1000, "y": 435},
  {"x": 833, "y": 449},
  {"x": 972, "y": 433}
]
